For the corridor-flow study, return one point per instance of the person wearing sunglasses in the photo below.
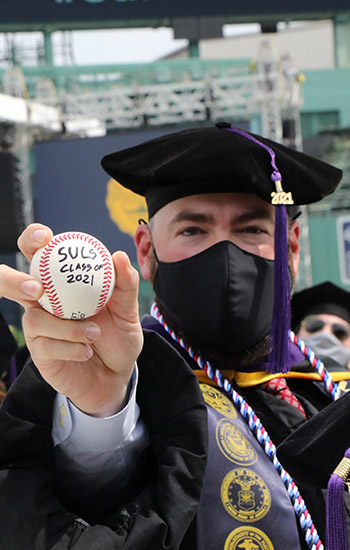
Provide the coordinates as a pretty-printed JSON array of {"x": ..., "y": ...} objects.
[{"x": 321, "y": 317}]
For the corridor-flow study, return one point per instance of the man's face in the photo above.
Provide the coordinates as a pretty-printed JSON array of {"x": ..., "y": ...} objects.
[
  {"x": 187, "y": 226},
  {"x": 326, "y": 323},
  {"x": 192, "y": 224}
]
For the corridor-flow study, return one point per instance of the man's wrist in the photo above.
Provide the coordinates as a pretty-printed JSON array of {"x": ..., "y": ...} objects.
[
  {"x": 86, "y": 430},
  {"x": 110, "y": 401}
]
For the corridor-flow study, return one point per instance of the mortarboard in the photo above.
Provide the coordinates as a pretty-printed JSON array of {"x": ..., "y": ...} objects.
[{"x": 210, "y": 160}]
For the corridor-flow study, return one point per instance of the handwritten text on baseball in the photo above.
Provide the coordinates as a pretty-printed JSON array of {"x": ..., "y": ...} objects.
[{"x": 76, "y": 265}]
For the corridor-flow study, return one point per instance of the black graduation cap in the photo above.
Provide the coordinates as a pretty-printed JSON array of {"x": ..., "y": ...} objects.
[
  {"x": 211, "y": 160},
  {"x": 323, "y": 298}
]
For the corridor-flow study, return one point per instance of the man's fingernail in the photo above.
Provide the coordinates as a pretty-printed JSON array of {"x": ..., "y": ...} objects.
[
  {"x": 39, "y": 235},
  {"x": 88, "y": 352},
  {"x": 31, "y": 288},
  {"x": 93, "y": 332}
]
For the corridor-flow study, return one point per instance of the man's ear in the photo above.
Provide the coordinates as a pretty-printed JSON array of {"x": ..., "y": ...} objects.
[
  {"x": 143, "y": 244},
  {"x": 294, "y": 245}
]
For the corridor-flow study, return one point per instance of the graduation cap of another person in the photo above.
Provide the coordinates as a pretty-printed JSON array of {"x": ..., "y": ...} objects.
[
  {"x": 229, "y": 160},
  {"x": 323, "y": 298}
]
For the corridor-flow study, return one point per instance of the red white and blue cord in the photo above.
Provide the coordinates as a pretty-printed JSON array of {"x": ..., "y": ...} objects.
[
  {"x": 330, "y": 385},
  {"x": 311, "y": 536}
]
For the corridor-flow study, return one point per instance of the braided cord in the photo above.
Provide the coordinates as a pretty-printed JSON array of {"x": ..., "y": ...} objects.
[
  {"x": 331, "y": 386},
  {"x": 312, "y": 538}
]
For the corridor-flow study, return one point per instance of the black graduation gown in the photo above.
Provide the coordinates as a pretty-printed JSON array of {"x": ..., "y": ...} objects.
[
  {"x": 314, "y": 450},
  {"x": 8, "y": 347},
  {"x": 159, "y": 513},
  {"x": 300, "y": 442},
  {"x": 282, "y": 421}
]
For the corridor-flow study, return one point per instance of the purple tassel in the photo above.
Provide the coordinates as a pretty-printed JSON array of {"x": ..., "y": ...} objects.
[
  {"x": 336, "y": 532},
  {"x": 278, "y": 339}
]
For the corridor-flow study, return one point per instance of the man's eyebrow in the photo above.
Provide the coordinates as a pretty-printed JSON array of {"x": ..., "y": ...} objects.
[
  {"x": 205, "y": 217},
  {"x": 257, "y": 214},
  {"x": 191, "y": 216}
]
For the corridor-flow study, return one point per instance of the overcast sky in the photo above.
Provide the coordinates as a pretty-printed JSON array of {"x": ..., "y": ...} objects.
[
  {"x": 134, "y": 45},
  {"x": 124, "y": 46}
]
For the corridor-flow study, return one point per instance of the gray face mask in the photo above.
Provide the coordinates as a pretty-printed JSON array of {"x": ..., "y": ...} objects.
[{"x": 327, "y": 345}]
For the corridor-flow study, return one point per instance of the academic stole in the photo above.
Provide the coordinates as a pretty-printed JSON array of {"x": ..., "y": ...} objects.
[{"x": 244, "y": 503}]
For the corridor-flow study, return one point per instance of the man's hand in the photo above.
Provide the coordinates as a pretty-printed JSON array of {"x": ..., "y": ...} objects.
[{"x": 91, "y": 360}]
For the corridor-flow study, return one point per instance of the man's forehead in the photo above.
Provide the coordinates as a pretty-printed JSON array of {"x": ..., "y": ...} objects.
[
  {"x": 330, "y": 317},
  {"x": 244, "y": 201},
  {"x": 207, "y": 207}
]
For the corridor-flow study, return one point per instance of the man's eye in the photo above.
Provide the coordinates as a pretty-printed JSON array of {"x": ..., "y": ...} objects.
[
  {"x": 253, "y": 229},
  {"x": 189, "y": 231}
]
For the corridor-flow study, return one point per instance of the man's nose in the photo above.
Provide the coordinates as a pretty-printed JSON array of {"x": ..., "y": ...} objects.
[
  {"x": 326, "y": 328},
  {"x": 224, "y": 235},
  {"x": 220, "y": 235}
]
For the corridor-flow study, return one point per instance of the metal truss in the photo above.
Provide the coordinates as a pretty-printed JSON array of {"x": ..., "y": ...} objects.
[
  {"x": 178, "y": 103},
  {"x": 235, "y": 97}
]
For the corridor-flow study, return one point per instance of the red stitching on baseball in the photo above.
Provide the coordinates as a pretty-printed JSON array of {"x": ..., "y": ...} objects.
[{"x": 48, "y": 283}]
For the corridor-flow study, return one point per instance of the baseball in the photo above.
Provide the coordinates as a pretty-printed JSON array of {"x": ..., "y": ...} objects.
[{"x": 77, "y": 273}]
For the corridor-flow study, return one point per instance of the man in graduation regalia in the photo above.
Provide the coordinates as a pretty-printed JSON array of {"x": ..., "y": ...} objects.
[
  {"x": 321, "y": 317},
  {"x": 163, "y": 438}
]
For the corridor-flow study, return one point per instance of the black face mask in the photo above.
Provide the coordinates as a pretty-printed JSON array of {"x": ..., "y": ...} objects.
[{"x": 221, "y": 298}]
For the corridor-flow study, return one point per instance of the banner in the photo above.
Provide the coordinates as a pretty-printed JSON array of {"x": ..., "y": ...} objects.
[
  {"x": 72, "y": 14},
  {"x": 74, "y": 193}
]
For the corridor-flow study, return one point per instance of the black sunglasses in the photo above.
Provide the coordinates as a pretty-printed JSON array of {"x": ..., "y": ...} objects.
[{"x": 314, "y": 324}]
